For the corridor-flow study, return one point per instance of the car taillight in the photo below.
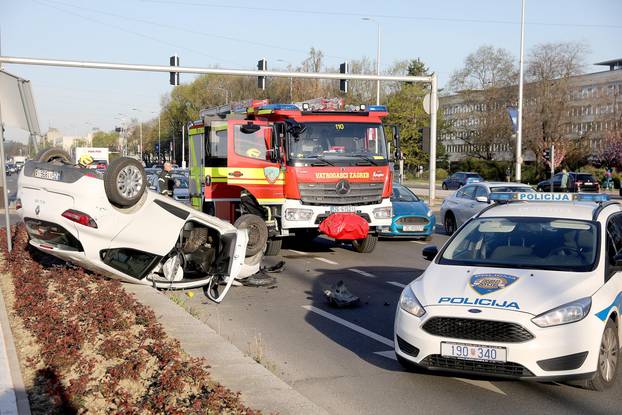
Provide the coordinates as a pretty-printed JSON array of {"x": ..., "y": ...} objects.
[
  {"x": 18, "y": 204},
  {"x": 79, "y": 217}
]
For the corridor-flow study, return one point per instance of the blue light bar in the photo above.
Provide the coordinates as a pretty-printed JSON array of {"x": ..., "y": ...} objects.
[
  {"x": 380, "y": 108},
  {"x": 282, "y": 107},
  {"x": 548, "y": 197}
]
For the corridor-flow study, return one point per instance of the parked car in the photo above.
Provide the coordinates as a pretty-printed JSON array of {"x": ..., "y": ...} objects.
[
  {"x": 471, "y": 199},
  {"x": 10, "y": 168},
  {"x": 459, "y": 179},
  {"x": 577, "y": 182},
  {"x": 411, "y": 216},
  {"x": 181, "y": 193},
  {"x": 109, "y": 224}
]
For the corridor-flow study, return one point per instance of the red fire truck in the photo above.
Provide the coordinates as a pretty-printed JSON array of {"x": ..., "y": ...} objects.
[{"x": 284, "y": 169}]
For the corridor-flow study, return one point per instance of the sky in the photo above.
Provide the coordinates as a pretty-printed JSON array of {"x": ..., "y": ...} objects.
[{"x": 236, "y": 33}]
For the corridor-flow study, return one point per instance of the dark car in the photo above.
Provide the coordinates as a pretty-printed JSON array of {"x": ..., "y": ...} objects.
[
  {"x": 577, "y": 182},
  {"x": 459, "y": 179}
]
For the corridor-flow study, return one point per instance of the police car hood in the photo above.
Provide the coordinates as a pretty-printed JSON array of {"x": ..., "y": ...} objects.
[{"x": 524, "y": 290}]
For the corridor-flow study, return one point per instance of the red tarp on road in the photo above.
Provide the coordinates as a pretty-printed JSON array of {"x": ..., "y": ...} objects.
[{"x": 345, "y": 226}]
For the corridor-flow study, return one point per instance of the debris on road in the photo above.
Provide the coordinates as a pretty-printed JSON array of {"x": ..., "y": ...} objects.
[
  {"x": 278, "y": 267},
  {"x": 340, "y": 296},
  {"x": 259, "y": 280}
]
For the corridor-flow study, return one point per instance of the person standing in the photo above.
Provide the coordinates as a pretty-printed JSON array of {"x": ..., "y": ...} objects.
[
  {"x": 565, "y": 178},
  {"x": 165, "y": 180}
]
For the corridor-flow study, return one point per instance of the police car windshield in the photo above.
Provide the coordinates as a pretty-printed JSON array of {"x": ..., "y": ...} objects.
[
  {"x": 339, "y": 139},
  {"x": 525, "y": 242}
]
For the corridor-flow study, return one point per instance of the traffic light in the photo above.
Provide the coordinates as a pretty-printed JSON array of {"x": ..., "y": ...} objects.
[
  {"x": 546, "y": 153},
  {"x": 262, "y": 65},
  {"x": 343, "y": 83},
  {"x": 174, "y": 76}
]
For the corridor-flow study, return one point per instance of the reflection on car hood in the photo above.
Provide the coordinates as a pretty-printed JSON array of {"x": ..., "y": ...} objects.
[
  {"x": 530, "y": 291},
  {"x": 409, "y": 208}
]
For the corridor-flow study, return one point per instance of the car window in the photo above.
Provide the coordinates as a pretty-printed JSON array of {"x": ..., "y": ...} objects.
[
  {"x": 129, "y": 261},
  {"x": 614, "y": 233},
  {"x": 586, "y": 177},
  {"x": 481, "y": 191},
  {"x": 474, "y": 175},
  {"x": 525, "y": 242},
  {"x": 403, "y": 194},
  {"x": 469, "y": 192},
  {"x": 253, "y": 144}
]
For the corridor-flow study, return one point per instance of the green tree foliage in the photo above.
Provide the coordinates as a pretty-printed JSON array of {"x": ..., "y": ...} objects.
[{"x": 105, "y": 139}]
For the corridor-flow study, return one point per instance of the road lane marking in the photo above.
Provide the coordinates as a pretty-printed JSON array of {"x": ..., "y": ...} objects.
[
  {"x": 389, "y": 354},
  {"x": 328, "y": 261},
  {"x": 298, "y": 252},
  {"x": 363, "y": 273},
  {"x": 484, "y": 384},
  {"x": 419, "y": 242},
  {"x": 349, "y": 325},
  {"x": 397, "y": 284}
]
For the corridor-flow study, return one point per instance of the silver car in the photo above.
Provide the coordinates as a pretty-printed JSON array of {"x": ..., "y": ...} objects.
[{"x": 471, "y": 199}]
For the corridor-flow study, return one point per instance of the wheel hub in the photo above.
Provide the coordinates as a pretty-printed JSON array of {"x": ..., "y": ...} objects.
[
  {"x": 608, "y": 355},
  {"x": 129, "y": 182}
]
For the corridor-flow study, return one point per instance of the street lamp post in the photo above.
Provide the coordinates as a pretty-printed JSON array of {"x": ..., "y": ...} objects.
[
  {"x": 519, "y": 130},
  {"x": 140, "y": 149},
  {"x": 377, "y": 58}
]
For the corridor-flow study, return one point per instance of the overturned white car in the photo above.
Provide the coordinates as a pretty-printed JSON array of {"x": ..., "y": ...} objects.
[{"x": 109, "y": 224}]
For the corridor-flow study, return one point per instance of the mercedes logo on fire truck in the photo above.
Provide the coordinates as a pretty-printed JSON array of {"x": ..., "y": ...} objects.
[{"x": 342, "y": 187}]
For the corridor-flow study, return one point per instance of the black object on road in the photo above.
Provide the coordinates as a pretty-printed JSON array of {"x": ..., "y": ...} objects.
[{"x": 340, "y": 296}]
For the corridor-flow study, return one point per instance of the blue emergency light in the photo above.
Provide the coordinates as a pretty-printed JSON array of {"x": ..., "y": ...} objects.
[
  {"x": 548, "y": 197},
  {"x": 281, "y": 107},
  {"x": 378, "y": 108}
]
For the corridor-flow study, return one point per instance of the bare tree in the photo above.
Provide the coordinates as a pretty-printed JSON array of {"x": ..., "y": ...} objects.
[
  {"x": 548, "y": 91},
  {"x": 485, "y": 84}
]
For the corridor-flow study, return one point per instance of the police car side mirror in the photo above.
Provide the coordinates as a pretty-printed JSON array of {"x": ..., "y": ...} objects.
[{"x": 429, "y": 252}]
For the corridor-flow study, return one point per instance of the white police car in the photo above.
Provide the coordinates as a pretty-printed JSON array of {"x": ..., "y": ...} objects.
[{"x": 523, "y": 290}]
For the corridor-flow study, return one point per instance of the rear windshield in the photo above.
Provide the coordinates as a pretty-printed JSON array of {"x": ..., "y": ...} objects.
[
  {"x": 585, "y": 177},
  {"x": 525, "y": 242},
  {"x": 473, "y": 175}
]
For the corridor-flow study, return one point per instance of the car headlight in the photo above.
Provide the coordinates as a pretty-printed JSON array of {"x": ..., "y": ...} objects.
[
  {"x": 383, "y": 213},
  {"x": 410, "y": 304},
  {"x": 564, "y": 314},
  {"x": 298, "y": 214},
  {"x": 430, "y": 214}
]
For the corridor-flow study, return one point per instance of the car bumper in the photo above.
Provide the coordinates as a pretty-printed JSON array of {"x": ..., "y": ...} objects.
[
  {"x": 549, "y": 355},
  {"x": 319, "y": 213},
  {"x": 397, "y": 230}
]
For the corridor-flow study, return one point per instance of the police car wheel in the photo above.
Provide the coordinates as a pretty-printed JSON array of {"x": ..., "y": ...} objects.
[
  {"x": 125, "y": 182},
  {"x": 257, "y": 233},
  {"x": 53, "y": 155},
  {"x": 450, "y": 224},
  {"x": 608, "y": 353}
]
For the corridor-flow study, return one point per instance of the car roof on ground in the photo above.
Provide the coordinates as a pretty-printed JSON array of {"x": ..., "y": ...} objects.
[{"x": 560, "y": 210}]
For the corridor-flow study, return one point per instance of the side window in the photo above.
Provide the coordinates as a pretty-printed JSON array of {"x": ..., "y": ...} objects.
[
  {"x": 469, "y": 192},
  {"x": 460, "y": 193},
  {"x": 481, "y": 191},
  {"x": 216, "y": 148},
  {"x": 253, "y": 144},
  {"x": 557, "y": 177},
  {"x": 614, "y": 241},
  {"x": 129, "y": 261}
]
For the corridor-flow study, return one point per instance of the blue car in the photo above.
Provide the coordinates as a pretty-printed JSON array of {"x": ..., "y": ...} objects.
[{"x": 411, "y": 216}]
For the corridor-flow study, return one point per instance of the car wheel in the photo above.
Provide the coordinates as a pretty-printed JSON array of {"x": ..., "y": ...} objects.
[
  {"x": 257, "y": 232},
  {"x": 444, "y": 186},
  {"x": 53, "y": 155},
  {"x": 365, "y": 245},
  {"x": 607, "y": 368},
  {"x": 125, "y": 182},
  {"x": 273, "y": 247},
  {"x": 450, "y": 223}
]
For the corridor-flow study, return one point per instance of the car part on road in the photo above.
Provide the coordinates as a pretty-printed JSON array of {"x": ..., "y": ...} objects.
[
  {"x": 366, "y": 244},
  {"x": 339, "y": 296},
  {"x": 259, "y": 280},
  {"x": 257, "y": 232},
  {"x": 125, "y": 182},
  {"x": 51, "y": 155},
  {"x": 279, "y": 267}
]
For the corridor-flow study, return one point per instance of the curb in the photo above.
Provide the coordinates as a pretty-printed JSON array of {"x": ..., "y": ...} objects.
[
  {"x": 22, "y": 405},
  {"x": 260, "y": 389}
]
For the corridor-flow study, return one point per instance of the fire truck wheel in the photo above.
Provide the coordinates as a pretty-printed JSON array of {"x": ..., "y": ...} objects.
[
  {"x": 257, "y": 232},
  {"x": 273, "y": 247},
  {"x": 365, "y": 245},
  {"x": 125, "y": 182},
  {"x": 51, "y": 155}
]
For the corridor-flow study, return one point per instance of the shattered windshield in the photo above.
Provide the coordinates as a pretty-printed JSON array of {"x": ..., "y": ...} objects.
[{"x": 337, "y": 139}]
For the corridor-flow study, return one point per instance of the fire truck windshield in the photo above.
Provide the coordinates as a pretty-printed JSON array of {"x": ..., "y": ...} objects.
[{"x": 339, "y": 140}]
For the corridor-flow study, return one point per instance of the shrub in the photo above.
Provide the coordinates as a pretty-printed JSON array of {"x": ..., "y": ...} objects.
[{"x": 441, "y": 174}]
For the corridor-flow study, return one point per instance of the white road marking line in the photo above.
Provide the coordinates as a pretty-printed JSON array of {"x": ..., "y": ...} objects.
[
  {"x": 419, "y": 242},
  {"x": 298, "y": 252},
  {"x": 349, "y": 325},
  {"x": 397, "y": 284},
  {"x": 484, "y": 384},
  {"x": 363, "y": 273},
  {"x": 328, "y": 261},
  {"x": 389, "y": 354}
]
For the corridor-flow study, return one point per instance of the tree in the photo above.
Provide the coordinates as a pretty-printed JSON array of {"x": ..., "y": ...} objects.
[
  {"x": 485, "y": 84},
  {"x": 105, "y": 139},
  {"x": 547, "y": 114}
]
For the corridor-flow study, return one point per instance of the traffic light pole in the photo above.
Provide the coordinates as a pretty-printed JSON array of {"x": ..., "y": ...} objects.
[{"x": 552, "y": 164}]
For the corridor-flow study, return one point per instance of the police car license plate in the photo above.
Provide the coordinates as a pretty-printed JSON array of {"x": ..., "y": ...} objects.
[
  {"x": 47, "y": 174},
  {"x": 474, "y": 352},
  {"x": 412, "y": 228},
  {"x": 340, "y": 209}
]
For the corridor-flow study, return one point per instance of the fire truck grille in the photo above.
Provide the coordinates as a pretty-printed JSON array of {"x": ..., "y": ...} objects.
[{"x": 326, "y": 194}]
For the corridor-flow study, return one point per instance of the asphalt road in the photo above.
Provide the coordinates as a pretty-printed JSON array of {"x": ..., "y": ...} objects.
[{"x": 342, "y": 359}]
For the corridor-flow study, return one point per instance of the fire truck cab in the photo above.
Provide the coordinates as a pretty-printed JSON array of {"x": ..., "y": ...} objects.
[{"x": 284, "y": 169}]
